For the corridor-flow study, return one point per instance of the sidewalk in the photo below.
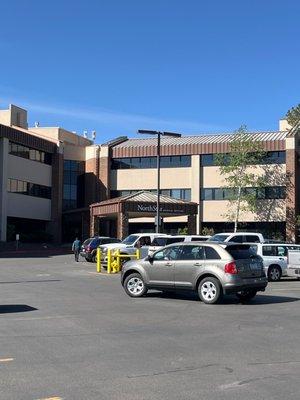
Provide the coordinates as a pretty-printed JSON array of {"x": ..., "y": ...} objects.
[{"x": 8, "y": 250}]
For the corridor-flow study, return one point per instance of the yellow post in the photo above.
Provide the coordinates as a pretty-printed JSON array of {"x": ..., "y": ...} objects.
[
  {"x": 108, "y": 261},
  {"x": 98, "y": 260},
  {"x": 118, "y": 261},
  {"x": 138, "y": 254}
]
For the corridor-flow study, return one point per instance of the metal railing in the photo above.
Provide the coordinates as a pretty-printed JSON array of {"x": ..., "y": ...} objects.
[{"x": 114, "y": 260}]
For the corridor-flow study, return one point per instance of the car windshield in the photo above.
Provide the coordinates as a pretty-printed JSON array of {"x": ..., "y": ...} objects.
[
  {"x": 241, "y": 252},
  {"x": 87, "y": 241},
  {"x": 218, "y": 238},
  {"x": 130, "y": 239}
]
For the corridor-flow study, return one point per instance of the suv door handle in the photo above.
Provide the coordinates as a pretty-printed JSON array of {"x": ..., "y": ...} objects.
[
  {"x": 168, "y": 264},
  {"x": 281, "y": 258},
  {"x": 198, "y": 264}
]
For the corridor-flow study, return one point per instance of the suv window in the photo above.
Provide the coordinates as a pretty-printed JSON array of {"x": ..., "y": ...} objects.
[
  {"x": 159, "y": 241},
  {"x": 170, "y": 253},
  {"x": 95, "y": 242},
  {"x": 241, "y": 252},
  {"x": 211, "y": 254},
  {"x": 174, "y": 240},
  {"x": 252, "y": 239},
  {"x": 282, "y": 251},
  {"x": 192, "y": 253},
  {"x": 269, "y": 251},
  {"x": 198, "y": 239},
  {"x": 237, "y": 239},
  {"x": 143, "y": 241},
  {"x": 110, "y": 240}
]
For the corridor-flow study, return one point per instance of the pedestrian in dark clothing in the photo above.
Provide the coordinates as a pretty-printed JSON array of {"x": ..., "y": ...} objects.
[{"x": 76, "y": 248}]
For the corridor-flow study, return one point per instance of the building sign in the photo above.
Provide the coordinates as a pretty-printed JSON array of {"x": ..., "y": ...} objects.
[{"x": 163, "y": 209}]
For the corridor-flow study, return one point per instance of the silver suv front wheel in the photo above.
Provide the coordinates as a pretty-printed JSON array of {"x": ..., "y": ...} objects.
[
  {"x": 134, "y": 285},
  {"x": 209, "y": 290}
]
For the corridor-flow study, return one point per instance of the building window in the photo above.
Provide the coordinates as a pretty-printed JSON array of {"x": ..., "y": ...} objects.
[
  {"x": 270, "y": 157},
  {"x": 181, "y": 194},
  {"x": 73, "y": 190},
  {"x": 270, "y": 192},
  {"x": 150, "y": 162},
  {"x": 29, "y": 153},
  {"x": 28, "y": 188}
]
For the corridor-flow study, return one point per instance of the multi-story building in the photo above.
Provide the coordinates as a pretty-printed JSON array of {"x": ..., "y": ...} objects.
[{"x": 50, "y": 176}]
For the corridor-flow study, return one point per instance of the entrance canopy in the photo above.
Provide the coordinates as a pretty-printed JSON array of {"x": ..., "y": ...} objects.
[{"x": 141, "y": 204}]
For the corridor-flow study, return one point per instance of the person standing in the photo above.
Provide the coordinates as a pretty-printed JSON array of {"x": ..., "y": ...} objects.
[{"x": 76, "y": 248}]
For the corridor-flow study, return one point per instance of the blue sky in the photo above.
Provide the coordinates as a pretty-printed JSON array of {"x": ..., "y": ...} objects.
[{"x": 116, "y": 66}]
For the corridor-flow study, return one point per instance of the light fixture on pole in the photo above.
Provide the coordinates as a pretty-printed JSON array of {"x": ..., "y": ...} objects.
[{"x": 158, "y": 134}]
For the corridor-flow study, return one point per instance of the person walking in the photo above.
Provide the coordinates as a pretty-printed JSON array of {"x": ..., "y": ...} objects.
[{"x": 76, "y": 248}]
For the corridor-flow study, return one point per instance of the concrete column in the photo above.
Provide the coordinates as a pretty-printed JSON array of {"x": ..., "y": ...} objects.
[
  {"x": 195, "y": 188},
  {"x": 291, "y": 190},
  {"x": 3, "y": 187},
  {"x": 192, "y": 224},
  {"x": 122, "y": 226}
]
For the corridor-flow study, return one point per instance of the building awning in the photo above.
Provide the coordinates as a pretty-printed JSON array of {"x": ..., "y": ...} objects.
[{"x": 143, "y": 204}]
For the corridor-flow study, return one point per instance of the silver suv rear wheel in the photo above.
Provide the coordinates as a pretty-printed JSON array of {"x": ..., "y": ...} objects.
[
  {"x": 274, "y": 273},
  {"x": 134, "y": 285},
  {"x": 209, "y": 290}
]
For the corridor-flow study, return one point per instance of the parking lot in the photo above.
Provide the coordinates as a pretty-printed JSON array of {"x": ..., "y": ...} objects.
[{"x": 68, "y": 333}]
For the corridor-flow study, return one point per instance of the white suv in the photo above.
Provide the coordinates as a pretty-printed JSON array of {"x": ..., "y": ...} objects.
[
  {"x": 274, "y": 257},
  {"x": 129, "y": 245},
  {"x": 238, "y": 237},
  {"x": 160, "y": 242}
]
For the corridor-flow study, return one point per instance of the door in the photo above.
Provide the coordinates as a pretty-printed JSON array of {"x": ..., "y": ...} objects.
[
  {"x": 191, "y": 259},
  {"x": 160, "y": 268}
]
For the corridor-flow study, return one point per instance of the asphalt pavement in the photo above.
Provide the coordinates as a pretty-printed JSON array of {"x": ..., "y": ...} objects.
[{"x": 69, "y": 333}]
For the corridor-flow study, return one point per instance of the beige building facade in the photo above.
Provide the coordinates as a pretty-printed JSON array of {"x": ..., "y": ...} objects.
[{"x": 50, "y": 177}]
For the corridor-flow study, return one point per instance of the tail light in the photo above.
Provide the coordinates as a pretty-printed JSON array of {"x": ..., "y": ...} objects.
[
  {"x": 88, "y": 248},
  {"x": 230, "y": 268}
]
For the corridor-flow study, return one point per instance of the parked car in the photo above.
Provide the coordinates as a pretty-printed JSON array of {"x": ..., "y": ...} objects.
[
  {"x": 89, "y": 246},
  {"x": 274, "y": 258},
  {"x": 130, "y": 244},
  {"x": 238, "y": 237},
  {"x": 293, "y": 266},
  {"x": 163, "y": 241},
  {"x": 211, "y": 269}
]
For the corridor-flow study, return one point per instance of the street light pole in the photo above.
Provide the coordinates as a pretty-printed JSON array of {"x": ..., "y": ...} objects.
[
  {"x": 158, "y": 134},
  {"x": 158, "y": 184}
]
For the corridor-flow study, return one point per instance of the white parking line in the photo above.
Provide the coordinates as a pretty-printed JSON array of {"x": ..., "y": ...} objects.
[{"x": 4, "y": 360}]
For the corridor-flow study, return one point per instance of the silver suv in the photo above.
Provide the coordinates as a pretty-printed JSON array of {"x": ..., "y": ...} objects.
[{"x": 210, "y": 269}]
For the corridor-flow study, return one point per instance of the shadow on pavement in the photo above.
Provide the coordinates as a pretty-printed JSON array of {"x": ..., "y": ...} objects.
[
  {"x": 259, "y": 299},
  {"x": 15, "y": 308}
]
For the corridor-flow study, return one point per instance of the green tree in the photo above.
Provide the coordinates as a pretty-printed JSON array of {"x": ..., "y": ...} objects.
[
  {"x": 293, "y": 116},
  {"x": 239, "y": 169}
]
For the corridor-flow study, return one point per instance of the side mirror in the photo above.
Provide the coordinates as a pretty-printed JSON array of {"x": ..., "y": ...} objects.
[{"x": 150, "y": 259}]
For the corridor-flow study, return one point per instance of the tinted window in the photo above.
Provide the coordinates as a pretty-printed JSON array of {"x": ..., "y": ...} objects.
[
  {"x": 237, "y": 239},
  {"x": 159, "y": 241},
  {"x": 170, "y": 253},
  {"x": 130, "y": 239},
  {"x": 144, "y": 241},
  {"x": 198, "y": 239},
  {"x": 192, "y": 253},
  {"x": 241, "y": 252},
  {"x": 110, "y": 240},
  {"x": 252, "y": 239},
  {"x": 87, "y": 241},
  {"x": 219, "y": 238},
  {"x": 269, "y": 251},
  {"x": 175, "y": 240},
  {"x": 211, "y": 254}
]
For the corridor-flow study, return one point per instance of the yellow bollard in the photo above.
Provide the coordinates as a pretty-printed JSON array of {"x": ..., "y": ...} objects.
[
  {"x": 108, "y": 261},
  {"x": 98, "y": 260},
  {"x": 138, "y": 254},
  {"x": 118, "y": 261}
]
